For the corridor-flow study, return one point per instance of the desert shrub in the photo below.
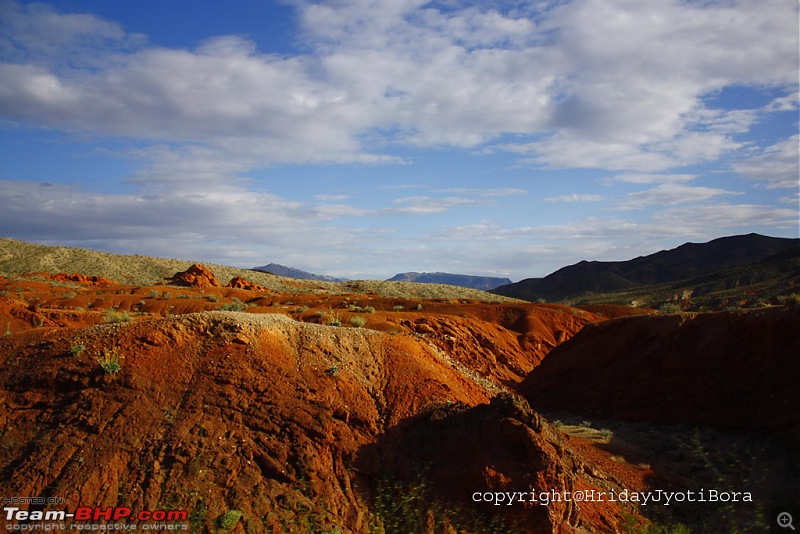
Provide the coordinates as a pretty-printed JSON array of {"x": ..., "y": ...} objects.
[
  {"x": 110, "y": 360},
  {"x": 358, "y": 321},
  {"x": 113, "y": 315},
  {"x": 413, "y": 508},
  {"x": 229, "y": 519},
  {"x": 398, "y": 307},
  {"x": 76, "y": 348},
  {"x": 791, "y": 301},
  {"x": 154, "y": 293},
  {"x": 334, "y": 319},
  {"x": 236, "y": 305},
  {"x": 669, "y": 308},
  {"x": 213, "y": 298},
  {"x": 300, "y": 309}
]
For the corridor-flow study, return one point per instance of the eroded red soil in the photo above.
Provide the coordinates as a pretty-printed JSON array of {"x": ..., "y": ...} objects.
[{"x": 300, "y": 425}]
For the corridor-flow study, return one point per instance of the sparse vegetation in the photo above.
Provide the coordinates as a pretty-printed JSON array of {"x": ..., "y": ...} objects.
[
  {"x": 114, "y": 315},
  {"x": 791, "y": 301},
  {"x": 669, "y": 308},
  {"x": 229, "y": 519},
  {"x": 110, "y": 360},
  {"x": 76, "y": 348},
  {"x": 412, "y": 508},
  {"x": 237, "y": 305},
  {"x": 358, "y": 321}
]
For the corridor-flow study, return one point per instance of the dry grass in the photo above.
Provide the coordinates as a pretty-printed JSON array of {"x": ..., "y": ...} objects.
[{"x": 19, "y": 257}]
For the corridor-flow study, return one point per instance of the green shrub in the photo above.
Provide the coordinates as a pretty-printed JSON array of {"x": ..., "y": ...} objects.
[
  {"x": 669, "y": 308},
  {"x": 110, "y": 360},
  {"x": 236, "y": 305},
  {"x": 113, "y": 315},
  {"x": 76, "y": 348},
  {"x": 358, "y": 321},
  {"x": 229, "y": 519}
]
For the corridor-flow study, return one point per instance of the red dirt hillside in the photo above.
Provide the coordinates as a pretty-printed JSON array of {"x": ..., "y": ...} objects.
[
  {"x": 280, "y": 420},
  {"x": 730, "y": 370},
  {"x": 301, "y": 427}
]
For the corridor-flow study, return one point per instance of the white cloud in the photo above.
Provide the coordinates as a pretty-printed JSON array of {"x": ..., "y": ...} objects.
[
  {"x": 777, "y": 165},
  {"x": 575, "y": 197},
  {"x": 500, "y": 192},
  {"x": 669, "y": 194},
  {"x": 620, "y": 82},
  {"x": 639, "y": 178},
  {"x": 427, "y": 204},
  {"x": 619, "y": 85},
  {"x": 724, "y": 219}
]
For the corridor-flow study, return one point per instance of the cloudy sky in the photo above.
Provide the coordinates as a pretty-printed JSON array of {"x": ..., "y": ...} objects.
[{"x": 362, "y": 138}]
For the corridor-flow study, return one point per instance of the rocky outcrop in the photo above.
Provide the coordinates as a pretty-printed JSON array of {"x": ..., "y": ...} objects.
[
  {"x": 238, "y": 282},
  {"x": 195, "y": 276}
]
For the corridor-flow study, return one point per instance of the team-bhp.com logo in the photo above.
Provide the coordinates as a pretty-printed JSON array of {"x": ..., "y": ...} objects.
[{"x": 85, "y": 514}]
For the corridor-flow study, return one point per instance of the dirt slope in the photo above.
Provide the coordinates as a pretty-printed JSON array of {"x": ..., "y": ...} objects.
[
  {"x": 279, "y": 419},
  {"x": 730, "y": 370},
  {"x": 300, "y": 426}
]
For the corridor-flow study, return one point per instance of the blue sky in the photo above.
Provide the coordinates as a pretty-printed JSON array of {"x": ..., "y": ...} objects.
[{"x": 362, "y": 138}]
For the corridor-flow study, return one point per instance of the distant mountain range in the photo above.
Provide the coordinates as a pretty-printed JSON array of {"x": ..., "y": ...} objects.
[
  {"x": 484, "y": 283},
  {"x": 580, "y": 281},
  {"x": 291, "y": 272}
]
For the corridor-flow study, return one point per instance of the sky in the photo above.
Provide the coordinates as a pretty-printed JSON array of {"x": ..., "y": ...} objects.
[{"x": 363, "y": 138}]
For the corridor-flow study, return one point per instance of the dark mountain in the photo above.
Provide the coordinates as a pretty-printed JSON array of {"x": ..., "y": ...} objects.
[
  {"x": 688, "y": 261},
  {"x": 290, "y": 272},
  {"x": 484, "y": 283}
]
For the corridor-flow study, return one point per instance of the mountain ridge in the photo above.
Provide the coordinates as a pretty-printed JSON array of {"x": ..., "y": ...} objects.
[
  {"x": 484, "y": 283},
  {"x": 687, "y": 261},
  {"x": 290, "y": 272}
]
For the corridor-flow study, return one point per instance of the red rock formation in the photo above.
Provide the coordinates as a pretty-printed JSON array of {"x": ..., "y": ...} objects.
[
  {"x": 98, "y": 281},
  {"x": 195, "y": 276},
  {"x": 238, "y": 282}
]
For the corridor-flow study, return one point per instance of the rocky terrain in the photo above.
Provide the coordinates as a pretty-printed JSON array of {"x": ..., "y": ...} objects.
[{"x": 257, "y": 410}]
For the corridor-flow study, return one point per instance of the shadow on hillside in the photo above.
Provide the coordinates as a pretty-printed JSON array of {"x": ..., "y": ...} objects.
[
  {"x": 424, "y": 471},
  {"x": 735, "y": 478}
]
